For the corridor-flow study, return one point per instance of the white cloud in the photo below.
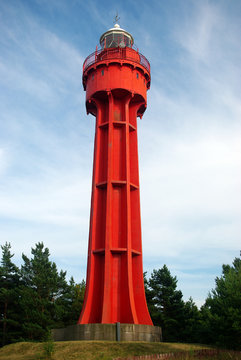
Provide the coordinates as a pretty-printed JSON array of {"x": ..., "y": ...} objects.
[
  {"x": 21, "y": 80},
  {"x": 54, "y": 201},
  {"x": 3, "y": 161},
  {"x": 190, "y": 192},
  {"x": 197, "y": 34},
  {"x": 190, "y": 154},
  {"x": 38, "y": 61}
]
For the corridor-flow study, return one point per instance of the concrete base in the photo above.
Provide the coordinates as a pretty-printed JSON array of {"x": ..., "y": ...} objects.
[{"x": 111, "y": 332}]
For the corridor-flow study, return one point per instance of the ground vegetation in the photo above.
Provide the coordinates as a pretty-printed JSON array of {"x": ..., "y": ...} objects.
[{"x": 37, "y": 297}]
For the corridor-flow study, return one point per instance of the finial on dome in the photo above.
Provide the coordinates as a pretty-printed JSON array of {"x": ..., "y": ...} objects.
[{"x": 116, "y": 19}]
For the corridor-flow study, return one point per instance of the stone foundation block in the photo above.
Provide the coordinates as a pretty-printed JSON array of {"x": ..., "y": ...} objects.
[{"x": 127, "y": 332}]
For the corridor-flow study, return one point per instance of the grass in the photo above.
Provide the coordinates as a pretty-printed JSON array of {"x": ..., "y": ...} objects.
[
  {"x": 88, "y": 350},
  {"x": 96, "y": 350}
]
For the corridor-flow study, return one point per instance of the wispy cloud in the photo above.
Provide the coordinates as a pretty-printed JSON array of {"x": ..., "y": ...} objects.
[
  {"x": 197, "y": 35},
  {"x": 36, "y": 60},
  {"x": 190, "y": 150},
  {"x": 44, "y": 161}
]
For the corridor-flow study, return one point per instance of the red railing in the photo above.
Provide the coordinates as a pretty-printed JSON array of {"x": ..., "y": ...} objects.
[{"x": 116, "y": 53}]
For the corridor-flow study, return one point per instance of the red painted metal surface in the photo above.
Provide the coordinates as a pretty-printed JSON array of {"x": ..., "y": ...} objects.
[
  {"x": 121, "y": 53},
  {"x": 116, "y": 81}
]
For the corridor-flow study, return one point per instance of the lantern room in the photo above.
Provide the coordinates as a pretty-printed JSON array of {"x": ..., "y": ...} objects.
[{"x": 116, "y": 37}]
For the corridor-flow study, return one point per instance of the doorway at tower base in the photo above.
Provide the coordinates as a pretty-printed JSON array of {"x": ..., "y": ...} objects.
[{"x": 110, "y": 332}]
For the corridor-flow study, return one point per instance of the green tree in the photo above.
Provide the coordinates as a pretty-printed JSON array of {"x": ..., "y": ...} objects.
[
  {"x": 71, "y": 303},
  {"x": 222, "y": 309},
  {"x": 191, "y": 325},
  {"x": 9, "y": 297},
  {"x": 149, "y": 297},
  {"x": 165, "y": 304},
  {"x": 42, "y": 286}
]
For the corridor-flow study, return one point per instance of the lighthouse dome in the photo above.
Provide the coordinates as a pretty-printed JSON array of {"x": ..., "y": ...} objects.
[{"x": 116, "y": 37}]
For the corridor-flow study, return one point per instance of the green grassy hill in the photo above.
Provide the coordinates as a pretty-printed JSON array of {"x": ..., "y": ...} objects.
[{"x": 88, "y": 350}]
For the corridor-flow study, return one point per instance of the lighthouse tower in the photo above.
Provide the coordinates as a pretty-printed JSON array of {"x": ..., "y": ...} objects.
[{"x": 116, "y": 78}]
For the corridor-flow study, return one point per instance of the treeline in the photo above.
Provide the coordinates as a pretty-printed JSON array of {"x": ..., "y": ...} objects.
[
  {"x": 218, "y": 322},
  {"x": 37, "y": 298}
]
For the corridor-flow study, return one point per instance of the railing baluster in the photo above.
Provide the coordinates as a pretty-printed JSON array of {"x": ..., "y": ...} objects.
[{"x": 113, "y": 53}]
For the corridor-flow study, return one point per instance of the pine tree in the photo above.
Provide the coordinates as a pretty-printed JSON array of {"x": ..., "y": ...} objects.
[
  {"x": 150, "y": 300},
  {"x": 42, "y": 287},
  {"x": 166, "y": 306},
  {"x": 9, "y": 297},
  {"x": 222, "y": 309},
  {"x": 191, "y": 325},
  {"x": 70, "y": 304}
]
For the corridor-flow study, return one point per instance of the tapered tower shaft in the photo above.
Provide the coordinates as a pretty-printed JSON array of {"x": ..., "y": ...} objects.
[{"x": 116, "y": 80}]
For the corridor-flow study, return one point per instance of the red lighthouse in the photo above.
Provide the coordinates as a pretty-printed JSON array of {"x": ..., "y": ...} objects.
[{"x": 116, "y": 79}]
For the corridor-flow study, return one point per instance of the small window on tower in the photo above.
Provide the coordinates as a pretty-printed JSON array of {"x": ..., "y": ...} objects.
[
  {"x": 93, "y": 76},
  {"x": 102, "y": 72},
  {"x": 137, "y": 75}
]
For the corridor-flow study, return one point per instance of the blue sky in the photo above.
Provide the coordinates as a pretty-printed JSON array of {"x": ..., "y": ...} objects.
[{"x": 189, "y": 137}]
